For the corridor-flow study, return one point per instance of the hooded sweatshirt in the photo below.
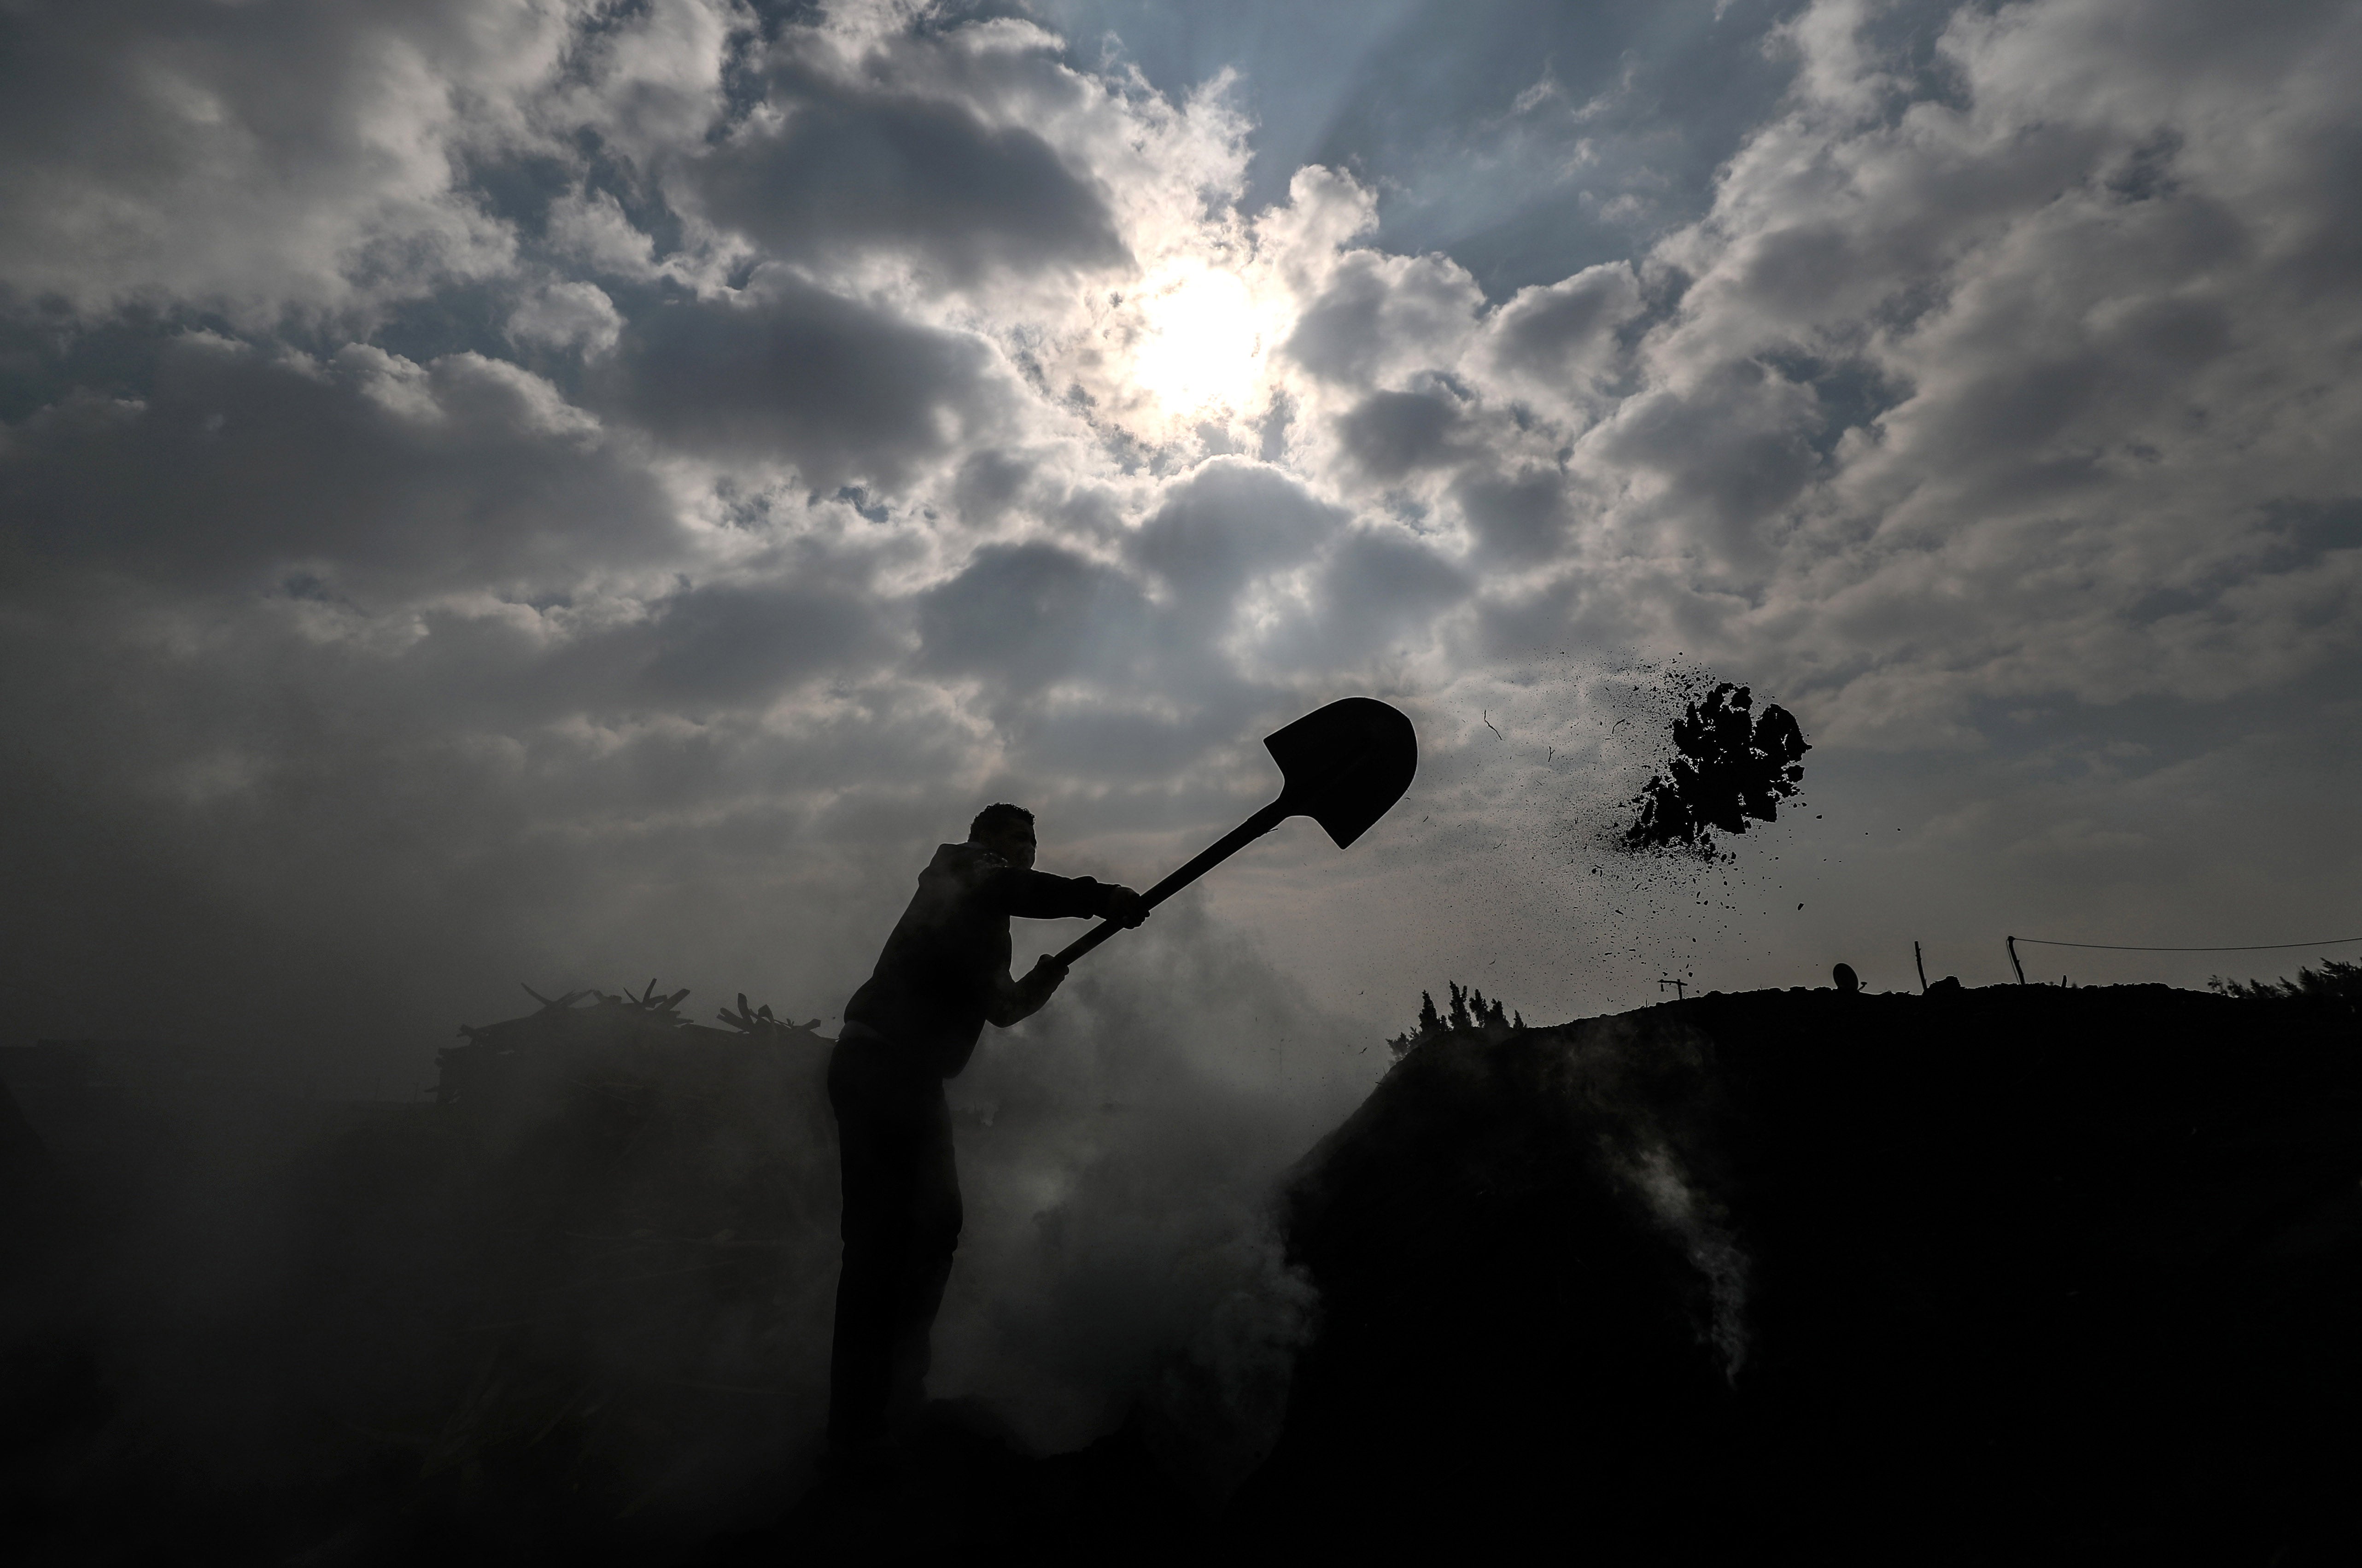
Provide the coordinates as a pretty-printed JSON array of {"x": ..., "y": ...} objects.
[{"x": 949, "y": 953}]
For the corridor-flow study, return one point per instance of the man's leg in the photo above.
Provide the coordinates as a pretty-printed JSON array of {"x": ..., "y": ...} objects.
[
  {"x": 933, "y": 1236},
  {"x": 876, "y": 1160}
]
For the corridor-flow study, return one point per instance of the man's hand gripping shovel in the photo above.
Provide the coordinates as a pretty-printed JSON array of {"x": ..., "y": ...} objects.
[{"x": 1344, "y": 766}]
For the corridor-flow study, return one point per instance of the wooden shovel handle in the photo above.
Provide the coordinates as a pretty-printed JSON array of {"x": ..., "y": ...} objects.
[{"x": 1213, "y": 855}]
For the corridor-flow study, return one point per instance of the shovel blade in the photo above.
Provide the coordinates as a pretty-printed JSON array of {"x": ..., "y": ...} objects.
[{"x": 1345, "y": 765}]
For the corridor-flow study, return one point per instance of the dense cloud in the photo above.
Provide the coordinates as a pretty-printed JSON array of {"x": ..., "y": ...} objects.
[
  {"x": 671, "y": 361},
  {"x": 582, "y": 488},
  {"x": 788, "y": 373},
  {"x": 263, "y": 160},
  {"x": 1032, "y": 613},
  {"x": 668, "y": 360},
  {"x": 826, "y": 170},
  {"x": 245, "y": 469}
]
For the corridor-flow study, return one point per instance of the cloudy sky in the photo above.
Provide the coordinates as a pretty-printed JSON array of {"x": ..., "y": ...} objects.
[{"x": 572, "y": 491}]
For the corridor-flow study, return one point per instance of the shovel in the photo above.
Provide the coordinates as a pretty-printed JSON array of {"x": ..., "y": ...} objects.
[{"x": 1345, "y": 767}]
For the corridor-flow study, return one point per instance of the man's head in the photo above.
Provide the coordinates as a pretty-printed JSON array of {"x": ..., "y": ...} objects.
[{"x": 1007, "y": 831}]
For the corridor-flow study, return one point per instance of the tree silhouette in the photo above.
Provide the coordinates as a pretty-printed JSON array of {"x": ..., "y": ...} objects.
[
  {"x": 1469, "y": 1011},
  {"x": 2336, "y": 978}
]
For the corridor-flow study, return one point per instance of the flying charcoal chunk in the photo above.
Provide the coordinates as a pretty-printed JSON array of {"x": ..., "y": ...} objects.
[{"x": 1728, "y": 766}]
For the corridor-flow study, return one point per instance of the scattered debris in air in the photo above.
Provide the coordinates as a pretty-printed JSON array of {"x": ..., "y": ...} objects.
[{"x": 1728, "y": 765}]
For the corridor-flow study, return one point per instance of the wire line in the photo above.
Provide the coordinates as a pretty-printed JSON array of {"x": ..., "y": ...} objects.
[{"x": 2132, "y": 947}]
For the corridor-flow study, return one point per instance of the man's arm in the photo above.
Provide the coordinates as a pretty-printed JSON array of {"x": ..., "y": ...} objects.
[
  {"x": 1014, "y": 1000},
  {"x": 1037, "y": 895}
]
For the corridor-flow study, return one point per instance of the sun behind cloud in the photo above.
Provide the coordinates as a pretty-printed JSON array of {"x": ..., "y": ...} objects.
[{"x": 1201, "y": 341}]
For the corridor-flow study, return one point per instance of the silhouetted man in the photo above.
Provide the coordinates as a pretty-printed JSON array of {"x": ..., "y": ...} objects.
[{"x": 943, "y": 977}]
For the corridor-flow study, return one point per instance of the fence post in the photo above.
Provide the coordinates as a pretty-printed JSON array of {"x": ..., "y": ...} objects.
[
  {"x": 2013, "y": 959},
  {"x": 1919, "y": 965}
]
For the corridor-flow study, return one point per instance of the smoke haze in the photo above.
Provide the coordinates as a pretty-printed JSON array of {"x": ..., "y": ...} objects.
[{"x": 570, "y": 491}]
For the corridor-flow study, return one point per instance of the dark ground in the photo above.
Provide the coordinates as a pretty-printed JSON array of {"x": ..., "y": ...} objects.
[
  {"x": 2032, "y": 1274},
  {"x": 2013, "y": 1273}
]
